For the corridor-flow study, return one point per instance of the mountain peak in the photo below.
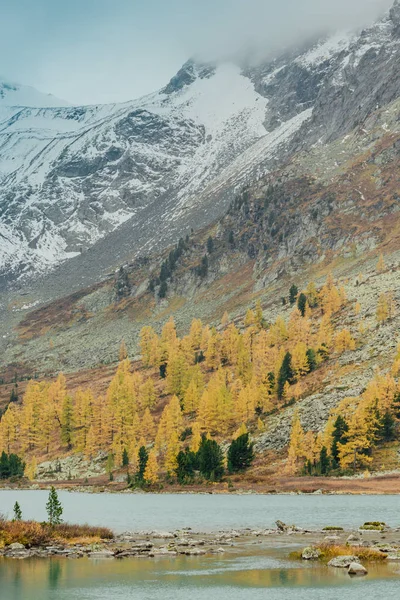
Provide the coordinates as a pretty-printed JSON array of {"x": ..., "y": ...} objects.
[{"x": 189, "y": 72}]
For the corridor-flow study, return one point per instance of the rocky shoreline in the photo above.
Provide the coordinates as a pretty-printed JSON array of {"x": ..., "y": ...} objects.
[{"x": 186, "y": 542}]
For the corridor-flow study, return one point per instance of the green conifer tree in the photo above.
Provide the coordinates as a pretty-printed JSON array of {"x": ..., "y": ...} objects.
[
  {"x": 54, "y": 508},
  {"x": 324, "y": 461},
  {"x": 240, "y": 454},
  {"x": 17, "y": 512},
  {"x": 210, "y": 459},
  {"x": 286, "y": 374},
  {"x": 302, "y": 304},
  {"x": 340, "y": 428},
  {"x": 143, "y": 457},
  {"x": 125, "y": 458},
  {"x": 293, "y": 294}
]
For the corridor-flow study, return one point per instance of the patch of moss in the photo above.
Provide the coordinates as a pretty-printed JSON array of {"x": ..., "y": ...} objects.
[{"x": 373, "y": 526}]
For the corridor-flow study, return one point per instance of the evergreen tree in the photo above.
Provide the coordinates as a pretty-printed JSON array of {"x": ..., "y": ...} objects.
[
  {"x": 11, "y": 465},
  {"x": 4, "y": 466},
  {"x": 210, "y": 459},
  {"x": 54, "y": 508},
  {"x": 202, "y": 269},
  {"x": 122, "y": 285},
  {"x": 231, "y": 238},
  {"x": 125, "y": 458},
  {"x": 324, "y": 462},
  {"x": 164, "y": 272},
  {"x": 302, "y": 304},
  {"x": 16, "y": 465},
  {"x": 162, "y": 292},
  {"x": 240, "y": 454},
  {"x": 340, "y": 428},
  {"x": 388, "y": 427},
  {"x": 14, "y": 395},
  {"x": 210, "y": 245},
  {"x": 293, "y": 294},
  {"x": 186, "y": 465},
  {"x": 311, "y": 359},
  {"x": 17, "y": 512},
  {"x": 286, "y": 374},
  {"x": 143, "y": 457}
]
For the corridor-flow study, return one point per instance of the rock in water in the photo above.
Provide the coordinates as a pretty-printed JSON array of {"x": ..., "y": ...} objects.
[
  {"x": 357, "y": 569},
  {"x": 343, "y": 562}
]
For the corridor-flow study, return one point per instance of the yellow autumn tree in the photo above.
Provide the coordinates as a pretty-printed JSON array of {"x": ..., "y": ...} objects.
[
  {"x": 380, "y": 267},
  {"x": 123, "y": 351},
  {"x": 382, "y": 309},
  {"x": 299, "y": 359},
  {"x": 149, "y": 346},
  {"x": 344, "y": 341},
  {"x": 355, "y": 453},
  {"x": 147, "y": 395},
  {"x": 173, "y": 448},
  {"x": 196, "y": 437},
  {"x": 212, "y": 353},
  {"x": 148, "y": 427},
  {"x": 151, "y": 471}
]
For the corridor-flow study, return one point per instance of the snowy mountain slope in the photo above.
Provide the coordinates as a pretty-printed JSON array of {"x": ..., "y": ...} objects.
[
  {"x": 14, "y": 94},
  {"x": 99, "y": 184}
]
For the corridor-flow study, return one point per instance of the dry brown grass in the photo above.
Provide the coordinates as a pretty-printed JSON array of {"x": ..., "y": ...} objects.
[
  {"x": 32, "y": 533},
  {"x": 330, "y": 551}
]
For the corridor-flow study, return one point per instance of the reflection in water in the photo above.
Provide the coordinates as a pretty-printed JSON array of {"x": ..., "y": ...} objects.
[
  {"x": 199, "y": 578},
  {"x": 55, "y": 570}
]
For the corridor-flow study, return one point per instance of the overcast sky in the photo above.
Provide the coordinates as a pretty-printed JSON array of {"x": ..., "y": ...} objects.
[{"x": 92, "y": 51}]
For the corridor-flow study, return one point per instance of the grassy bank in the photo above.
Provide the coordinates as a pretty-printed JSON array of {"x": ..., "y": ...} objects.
[{"x": 32, "y": 533}]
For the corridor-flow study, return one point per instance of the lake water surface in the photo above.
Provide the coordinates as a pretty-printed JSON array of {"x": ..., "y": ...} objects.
[
  {"x": 264, "y": 573},
  {"x": 206, "y": 512}
]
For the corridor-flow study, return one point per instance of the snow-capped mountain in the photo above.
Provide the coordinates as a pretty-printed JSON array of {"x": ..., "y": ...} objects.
[{"x": 124, "y": 178}]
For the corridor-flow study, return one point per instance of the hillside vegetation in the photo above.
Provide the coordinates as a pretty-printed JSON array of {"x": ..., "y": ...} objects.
[{"x": 220, "y": 384}]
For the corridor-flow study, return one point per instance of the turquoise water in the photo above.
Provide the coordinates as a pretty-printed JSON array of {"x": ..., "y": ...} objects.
[
  {"x": 206, "y": 512},
  {"x": 265, "y": 573}
]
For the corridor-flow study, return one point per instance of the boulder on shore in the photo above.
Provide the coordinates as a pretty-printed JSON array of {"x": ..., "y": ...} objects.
[{"x": 16, "y": 546}]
